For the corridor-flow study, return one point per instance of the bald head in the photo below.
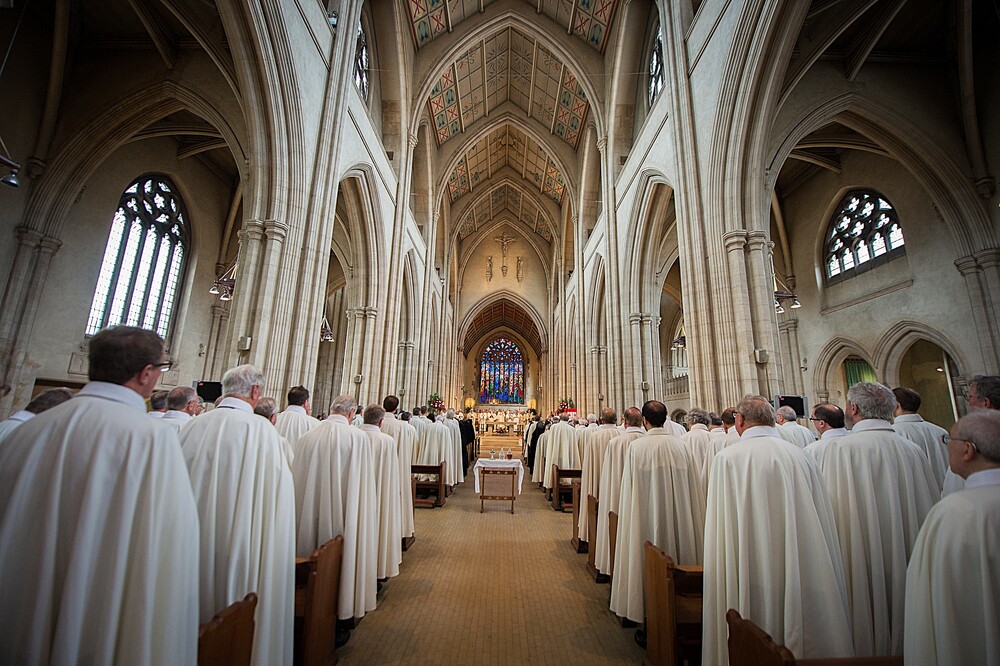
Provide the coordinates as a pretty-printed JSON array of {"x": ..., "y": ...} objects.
[
  {"x": 975, "y": 442},
  {"x": 633, "y": 418},
  {"x": 753, "y": 410},
  {"x": 608, "y": 416}
]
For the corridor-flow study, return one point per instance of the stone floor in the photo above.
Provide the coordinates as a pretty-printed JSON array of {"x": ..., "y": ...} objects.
[{"x": 492, "y": 588}]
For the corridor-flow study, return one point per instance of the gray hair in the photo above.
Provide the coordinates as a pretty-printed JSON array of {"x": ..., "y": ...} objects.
[
  {"x": 633, "y": 417},
  {"x": 787, "y": 412},
  {"x": 873, "y": 400},
  {"x": 373, "y": 414},
  {"x": 756, "y": 410},
  {"x": 266, "y": 407},
  {"x": 450, "y": 413},
  {"x": 344, "y": 405},
  {"x": 180, "y": 396},
  {"x": 982, "y": 428},
  {"x": 987, "y": 387},
  {"x": 564, "y": 417},
  {"x": 697, "y": 415},
  {"x": 591, "y": 418},
  {"x": 608, "y": 416},
  {"x": 239, "y": 381}
]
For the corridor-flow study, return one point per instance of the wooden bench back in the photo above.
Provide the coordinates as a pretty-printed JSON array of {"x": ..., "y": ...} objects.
[
  {"x": 435, "y": 486},
  {"x": 673, "y": 607},
  {"x": 227, "y": 639},
  {"x": 319, "y": 612},
  {"x": 612, "y": 538}
]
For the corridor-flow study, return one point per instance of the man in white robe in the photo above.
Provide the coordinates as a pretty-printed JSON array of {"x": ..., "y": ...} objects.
[
  {"x": 98, "y": 527},
  {"x": 829, "y": 421},
  {"x": 334, "y": 473},
  {"x": 246, "y": 508},
  {"x": 456, "y": 442},
  {"x": 158, "y": 404},
  {"x": 982, "y": 393},
  {"x": 590, "y": 475},
  {"x": 182, "y": 406},
  {"x": 953, "y": 580},
  {"x": 405, "y": 436},
  {"x": 771, "y": 548},
  {"x": 789, "y": 428},
  {"x": 297, "y": 418},
  {"x": 926, "y": 435},
  {"x": 611, "y": 485},
  {"x": 698, "y": 442},
  {"x": 881, "y": 487},
  {"x": 42, "y": 402},
  {"x": 390, "y": 529},
  {"x": 538, "y": 464},
  {"x": 268, "y": 408},
  {"x": 560, "y": 449},
  {"x": 661, "y": 501}
]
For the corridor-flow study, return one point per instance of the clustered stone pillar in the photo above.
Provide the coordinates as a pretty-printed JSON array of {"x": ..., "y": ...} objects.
[
  {"x": 247, "y": 272},
  {"x": 981, "y": 272},
  {"x": 737, "y": 373}
]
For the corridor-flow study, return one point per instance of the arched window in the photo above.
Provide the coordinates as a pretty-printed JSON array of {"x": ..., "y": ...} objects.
[
  {"x": 144, "y": 259},
  {"x": 656, "y": 66},
  {"x": 501, "y": 373},
  {"x": 863, "y": 233},
  {"x": 361, "y": 63}
]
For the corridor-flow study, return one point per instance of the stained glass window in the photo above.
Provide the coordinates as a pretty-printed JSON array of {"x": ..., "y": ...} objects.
[
  {"x": 656, "y": 66},
  {"x": 864, "y": 233},
  {"x": 361, "y": 63},
  {"x": 143, "y": 260},
  {"x": 501, "y": 374}
]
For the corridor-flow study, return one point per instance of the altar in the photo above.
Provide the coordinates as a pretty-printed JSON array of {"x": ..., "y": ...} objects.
[{"x": 501, "y": 419}]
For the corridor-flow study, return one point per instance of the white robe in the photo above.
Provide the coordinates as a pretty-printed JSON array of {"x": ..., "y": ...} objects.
[
  {"x": 953, "y": 581},
  {"x": 334, "y": 473},
  {"x": 795, "y": 434},
  {"x": 771, "y": 550},
  {"x": 928, "y": 437},
  {"x": 590, "y": 475},
  {"x": 175, "y": 419},
  {"x": 661, "y": 501},
  {"x": 13, "y": 422},
  {"x": 98, "y": 537},
  {"x": 538, "y": 471},
  {"x": 390, "y": 531},
  {"x": 405, "y": 437},
  {"x": 437, "y": 447},
  {"x": 881, "y": 488},
  {"x": 243, "y": 489},
  {"x": 561, "y": 450},
  {"x": 582, "y": 434},
  {"x": 456, "y": 472},
  {"x": 699, "y": 444},
  {"x": 294, "y": 422},
  {"x": 674, "y": 428},
  {"x": 611, "y": 486}
]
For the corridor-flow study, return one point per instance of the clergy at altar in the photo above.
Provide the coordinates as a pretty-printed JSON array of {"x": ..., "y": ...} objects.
[
  {"x": 182, "y": 406},
  {"x": 456, "y": 435},
  {"x": 953, "y": 580},
  {"x": 926, "y": 435},
  {"x": 611, "y": 483},
  {"x": 390, "y": 527},
  {"x": 334, "y": 473},
  {"x": 246, "y": 509},
  {"x": 881, "y": 487},
  {"x": 297, "y": 418},
  {"x": 829, "y": 421},
  {"x": 98, "y": 527},
  {"x": 699, "y": 442},
  {"x": 593, "y": 460},
  {"x": 771, "y": 549},
  {"x": 789, "y": 428},
  {"x": 405, "y": 436},
  {"x": 662, "y": 501},
  {"x": 561, "y": 449},
  {"x": 44, "y": 401}
]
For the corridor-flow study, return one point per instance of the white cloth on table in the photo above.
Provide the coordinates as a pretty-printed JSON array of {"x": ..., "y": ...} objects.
[
  {"x": 881, "y": 488},
  {"x": 953, "y": 580},
  {"x": 771, "y": 550},
  {"x": 13, "y": 422},
  {"x": 928, "y": 437},
  {"x": 334, "y": 473},
  {"x": 662, "y": 501},
  {"x": 294, "y": 422},
  {"x": 246, "y": 509},
  {"x": 796, "y": 434},
  {"x": 611, "y": 486},
  {"x": 390, "y": 530},
  {"x": 590, "y": 474},
  {"x": 405, "y": 437},
  {"x": 98, "y": 537},
  {"x": 499, "y": 464},
  {"x": 561, "y": 450}
]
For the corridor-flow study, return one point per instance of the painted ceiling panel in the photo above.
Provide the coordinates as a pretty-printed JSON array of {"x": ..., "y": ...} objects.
[
  {"x": 505, "y": 200},
  {"x": 503, "y": 312}
]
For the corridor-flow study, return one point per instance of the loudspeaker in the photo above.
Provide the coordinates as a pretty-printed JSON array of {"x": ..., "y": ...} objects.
[{"x": 208, "y": 391}]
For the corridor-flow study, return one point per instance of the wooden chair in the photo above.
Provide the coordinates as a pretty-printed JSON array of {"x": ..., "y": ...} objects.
[
  {"x": 612, "y": 540},
  {"x": 317, "y": 590},
  {"x": 562, "y": 491},
  {"x": 673, "y": 608},
  {"x": 749, "y": 645},
  {"x": 578, "y": 544},
  {"x": 497, "y": 484},
  {"x": 434, "y": 486},
  {"x": 592, "y": 505},
  {"x": 227, "y": 639}
]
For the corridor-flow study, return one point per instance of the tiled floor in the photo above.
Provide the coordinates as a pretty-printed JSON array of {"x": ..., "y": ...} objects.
[{"x": 492, "y": 588}]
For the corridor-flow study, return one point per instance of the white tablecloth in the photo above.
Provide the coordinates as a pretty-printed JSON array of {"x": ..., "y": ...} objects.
[{"x": 499, "y": 464}]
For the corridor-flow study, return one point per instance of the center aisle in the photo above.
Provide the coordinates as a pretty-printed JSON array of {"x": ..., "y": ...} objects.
[{"x": 492, "y": 588}]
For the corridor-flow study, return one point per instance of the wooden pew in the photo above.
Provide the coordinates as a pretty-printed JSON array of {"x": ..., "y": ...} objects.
[
  {"x": 578, "y": 544},
  {"x": 749, "y": 645},
  {"x": 673, "y": 608},
  {"x": 612, "y": 540},
  {"x": 227, "y": 639},
  {"x": 317, "y": 589},
  {"x": 434, "y": 487},
  {"x": 562, "y": 491},
  {"x": 592, "y": 505}
]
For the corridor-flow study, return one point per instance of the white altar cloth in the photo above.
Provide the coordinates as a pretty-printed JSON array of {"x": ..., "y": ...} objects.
[{"x": 499, "y": 464}]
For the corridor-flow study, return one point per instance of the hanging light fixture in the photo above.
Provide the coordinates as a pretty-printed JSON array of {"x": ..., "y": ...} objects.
[
  {"x": 225, "y": 284},
  {"x": 325, "y": 332},
  {"x": 783, "y": 293}
]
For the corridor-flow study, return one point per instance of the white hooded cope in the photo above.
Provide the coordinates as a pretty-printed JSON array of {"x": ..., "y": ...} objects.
[
  {"x": 771, "y": 550},
  {"x": 929, "y": 438},
  {"x": 390, "y": 545},
  {"x": 334, "y": 472},
  {"x": 243, "y": 489},
  {"x": 611, "y": 486},
  {"x": 405, "y": 437},
  {"x": 294, "y": 422},
  {"x": 97, "y": 521},
  {"x": 590, "y": 478},
  {"x": 561, "y": 450}
]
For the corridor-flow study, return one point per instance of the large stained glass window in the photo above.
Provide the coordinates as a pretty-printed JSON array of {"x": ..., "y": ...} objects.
[
  {"x": 501, "y": 374},
  {"x": 864, "y": 233}
]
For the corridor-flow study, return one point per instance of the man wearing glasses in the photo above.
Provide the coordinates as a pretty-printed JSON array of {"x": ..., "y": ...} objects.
[
  {"x": 98, "y": 525},
  {"x": 984, "y": 392},
  {"x": 829, "y": 421},
  {"x": 953, "y": 581}
]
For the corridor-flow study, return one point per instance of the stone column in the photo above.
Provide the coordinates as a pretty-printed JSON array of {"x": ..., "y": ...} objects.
[
  {"x": 636, "y": 349},
  {"x": 245, "y": 295},
  {"x": 14, "y": 295},
  {"x": 656, "y": 381},
  {"x": 274, "y": 310},
  {"x": 216, "y": 335},
  {"x": 736, "y": 380},
  {"x": 977, "y": 282},
  {"x": 759, "y": 257}
]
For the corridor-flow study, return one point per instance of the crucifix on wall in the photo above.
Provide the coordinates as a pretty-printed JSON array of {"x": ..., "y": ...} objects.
[{"x": 504, "y": 241}]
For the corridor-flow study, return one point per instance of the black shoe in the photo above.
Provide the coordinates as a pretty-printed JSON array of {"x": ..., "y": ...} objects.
[
  {"x": 640, "y": 638},
  {"x": 343, "y": 635}
]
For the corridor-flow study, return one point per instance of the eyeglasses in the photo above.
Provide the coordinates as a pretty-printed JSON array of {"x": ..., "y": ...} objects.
[
  {"x": 813, "y": 418},
  {"x": 945, "y": 438},
  {"x": 163, "y": 366}
]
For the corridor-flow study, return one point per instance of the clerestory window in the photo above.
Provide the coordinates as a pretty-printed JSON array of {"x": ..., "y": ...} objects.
[
  {"x": 656, "y": 66},
  {"x": 361, "y": 64},
  {"x": 864, "y": 232}
]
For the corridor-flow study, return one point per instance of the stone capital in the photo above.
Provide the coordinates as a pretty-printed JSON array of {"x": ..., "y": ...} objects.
[
  {"x": 735, "y": 240},
  {"x": 412, "y": 140},
  {"x": 757, "y": 240},
  {"x": 276, "y": 229},
  {"x": 967, "y": 265},
  {"x": 49, "y": 245},
  {"x": 988, "y": 258},
  {"x": 29, "y": 237},
  {"x": 252, "y": 230},
  {"x": 634, "y": 318}
]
